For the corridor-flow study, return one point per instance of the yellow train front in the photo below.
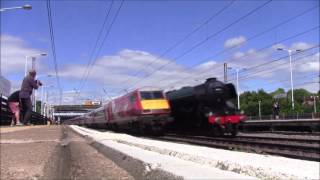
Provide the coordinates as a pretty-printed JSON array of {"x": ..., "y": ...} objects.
[{"x": 142, "y": 110}]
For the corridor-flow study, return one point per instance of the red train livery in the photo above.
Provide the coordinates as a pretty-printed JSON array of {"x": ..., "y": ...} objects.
[{"x": 140, "y": 110}]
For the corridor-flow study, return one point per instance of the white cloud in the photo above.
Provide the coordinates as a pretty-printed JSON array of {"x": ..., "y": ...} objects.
[
  {"x": 238, "y": 55},
  {"x": 234, "y": 41},
  {"x": 70, "y": 97},
  {"x": 309, "y": 64},
  {"x": 120, "y": 71},
  {"x": 301, "y": 46},
  {"x": 13, "y": 53},
  {"x": 269, "y": 70}
]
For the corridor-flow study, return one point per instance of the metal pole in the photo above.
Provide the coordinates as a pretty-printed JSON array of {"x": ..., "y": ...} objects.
[
  {"x": 34, "y": 101},
  {"x": 25, "y": 66},
  {"x": 34, "y": 92},
  {"x": 315, "y": 104},
  {"x": 33, "y": 63},
  {"x": 46, "y": 96},
  {"x": 259, "y": 109},
  {"x": 292, "y": 98},
  {"x": 225, "y": 66},
  {"x": 42, "y": 107},
  {"x": 238, "y": 92}
]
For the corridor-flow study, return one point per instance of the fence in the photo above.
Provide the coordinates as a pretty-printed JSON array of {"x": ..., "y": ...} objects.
[
  {"x": 6, "y": 114},
  {"x": 287, "y": 116}
]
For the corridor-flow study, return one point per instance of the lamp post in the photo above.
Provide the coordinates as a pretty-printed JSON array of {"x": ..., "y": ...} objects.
[
  {"x": 43, "y": 88},
  {"x": 290, "y": 52},
  {"x": 315, "y": 103},
  {"x": 33, "y": 61},
  {"x": 259, "y": 109},
  {"x": 238, "y": 89},
  {"x": 24, "y": 7},
  {"x": 33, "y": 68}
]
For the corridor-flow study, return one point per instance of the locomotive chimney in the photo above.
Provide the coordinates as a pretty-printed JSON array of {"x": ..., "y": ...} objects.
[{"x": 211, "y": 79}]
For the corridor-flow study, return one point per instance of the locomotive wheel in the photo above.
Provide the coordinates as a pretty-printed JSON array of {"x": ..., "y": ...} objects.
[
  {"x": 157, "y": 130},
  {"x": 216, "y": 131},
  {"x": 235, "y": 130}
]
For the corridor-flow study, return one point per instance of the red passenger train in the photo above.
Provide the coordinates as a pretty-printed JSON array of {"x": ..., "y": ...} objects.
[{"x": 143, "y": 110}]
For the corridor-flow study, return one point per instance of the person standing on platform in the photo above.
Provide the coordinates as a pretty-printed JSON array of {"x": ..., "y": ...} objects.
[
  {"x": 13, "y": 101},
  {"x": 276, "y": 110},
  {"x": 28, "y": 84}
]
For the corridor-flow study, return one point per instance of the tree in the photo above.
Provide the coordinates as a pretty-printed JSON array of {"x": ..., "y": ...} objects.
[
  {"x": 38, "y": 109},
  {"x": 278, "y": 91},
  {"x": 300, "y": 96},
  {"x": 250, "y": 102}
]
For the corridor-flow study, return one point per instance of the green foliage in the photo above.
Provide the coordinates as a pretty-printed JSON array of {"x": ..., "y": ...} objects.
[
  {"x": 38, "y": 108},
  {"x": 278, "y": 91},
  {"x": 250, "y": 102}
]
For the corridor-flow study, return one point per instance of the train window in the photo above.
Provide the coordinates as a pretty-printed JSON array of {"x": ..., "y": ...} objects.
[
  {"x": 157, "y": 95},
  {"x": 145, "y": 95},
  {"x": 151, "y": 95}
]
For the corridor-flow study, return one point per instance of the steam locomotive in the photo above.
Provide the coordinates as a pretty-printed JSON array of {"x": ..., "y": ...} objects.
[{"x": 207, "y": 106}]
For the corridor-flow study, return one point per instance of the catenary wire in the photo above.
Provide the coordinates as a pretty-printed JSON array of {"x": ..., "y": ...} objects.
[
  {"x": 53, "y": 48},
  {"x": 176, "y": 44},
  {"x": 259, "y": 65},
  {"x": 203, "y": 41},
  {"x": 101, "y": 45},
  {"x": 260, "y": 71},
  {"x": 237, "y": 58},
  {"x": 96, "y": 42}
]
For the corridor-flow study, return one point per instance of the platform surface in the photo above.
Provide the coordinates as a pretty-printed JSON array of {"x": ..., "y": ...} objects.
[{"x": 52, "y": 152}]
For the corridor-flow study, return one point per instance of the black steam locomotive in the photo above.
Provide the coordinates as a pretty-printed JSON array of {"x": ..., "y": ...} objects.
[{"x": 207, "y": 106}]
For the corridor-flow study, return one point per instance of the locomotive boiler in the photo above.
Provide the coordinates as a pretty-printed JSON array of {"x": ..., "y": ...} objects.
[{"x": 207, "y": 106}]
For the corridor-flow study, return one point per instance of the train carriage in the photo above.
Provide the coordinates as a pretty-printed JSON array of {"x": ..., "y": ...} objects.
[
  {"x": 143, "y": 110},
  {"x": 140, "y": 109}
]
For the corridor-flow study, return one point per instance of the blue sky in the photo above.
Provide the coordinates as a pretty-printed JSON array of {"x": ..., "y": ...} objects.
[{"x": 144, "y": 30}]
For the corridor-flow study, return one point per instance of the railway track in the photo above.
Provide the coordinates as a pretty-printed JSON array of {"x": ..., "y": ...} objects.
[{"x": 298, "y": 148}]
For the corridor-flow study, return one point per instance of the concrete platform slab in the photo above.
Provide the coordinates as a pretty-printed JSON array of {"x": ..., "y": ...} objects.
[{"x": 52, "y": 152}]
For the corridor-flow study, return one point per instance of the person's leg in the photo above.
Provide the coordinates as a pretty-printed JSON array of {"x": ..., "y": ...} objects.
[
  {"x": 23, "y": 110},
  {"x": 27, "y": 105},
  {"x": 13, "y": 109},
  {"x": 12, "y": 120},
  {"x": 17, "y": 115}
]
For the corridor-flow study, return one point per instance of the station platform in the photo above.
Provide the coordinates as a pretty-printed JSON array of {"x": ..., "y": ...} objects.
[
  {"x": 52, "y": 152},
  {"x": 75, "y": 152},
  {"x": 297, "y": 125}
]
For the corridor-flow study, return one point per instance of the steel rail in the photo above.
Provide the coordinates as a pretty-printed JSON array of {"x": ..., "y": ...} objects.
[{"x": 298, "y": 151}]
